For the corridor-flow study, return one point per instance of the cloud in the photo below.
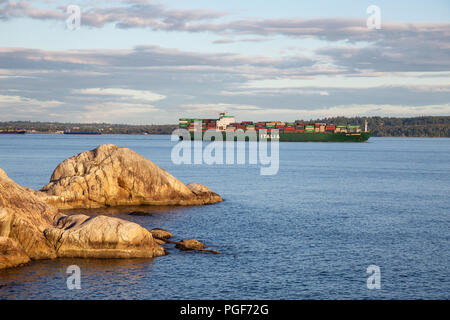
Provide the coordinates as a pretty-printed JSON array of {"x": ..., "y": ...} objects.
[
  {"x": 216, "y": 108},
  {"x": 149, "y": 84},
  {"x": 351, "y": 110},
  {"x": 387, "y": 110},
  {"x": 129, "y": 14},
  {"x": 224, "y": 41},
  {"x": 113, "y": 111},
  {"x": 19, "y": 107},
  {"x": 274, "y": 92},
  {"x": 10, "y": 101},
  {"x": 227, "y": 41},
  {"x": 123, "y": 94},
  {"x": 398, "y": 46}
]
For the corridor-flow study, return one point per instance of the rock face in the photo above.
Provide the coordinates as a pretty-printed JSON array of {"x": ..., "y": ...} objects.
[
  {"x": 113, "y": 176},
  {"x": 11, "y": 254},
  {"x": 24, "y": 217},
  {"x": 31, "y": 228},
  {"x": 204, "y": 193},
  {"x": 101, "y": 237}
]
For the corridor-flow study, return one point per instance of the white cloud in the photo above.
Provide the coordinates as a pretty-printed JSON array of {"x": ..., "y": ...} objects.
[
  {"x": 404, "y": 79},
  {"x": 354, "y": 110},
  {"x": 273, "y": 92},
  {"x": 13, "y": 102},
  {"x": 124, "y": 94}
]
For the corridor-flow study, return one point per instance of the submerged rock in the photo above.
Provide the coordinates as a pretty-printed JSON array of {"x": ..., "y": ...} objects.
[
  {"x": 113, "y": 176},
  {"x": 81, "y": 236}
]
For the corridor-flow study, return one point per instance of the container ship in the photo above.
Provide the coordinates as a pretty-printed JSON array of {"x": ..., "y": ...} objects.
[
  {"x": 83, "y": 132},
  {"x": 297, "y": 131},
  {"x": 12, "y": 131}
]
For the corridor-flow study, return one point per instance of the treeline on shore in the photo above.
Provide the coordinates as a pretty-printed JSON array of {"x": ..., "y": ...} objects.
[
  {"x": 399, "y": 127},
  {"x": 380, "y": 126},
  {"x": 104, "y": 128}
]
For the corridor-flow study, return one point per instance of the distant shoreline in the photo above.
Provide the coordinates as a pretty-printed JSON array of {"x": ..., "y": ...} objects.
[
  {"x": 432, "y": 126},
  {"x": 168, "y": 134}
]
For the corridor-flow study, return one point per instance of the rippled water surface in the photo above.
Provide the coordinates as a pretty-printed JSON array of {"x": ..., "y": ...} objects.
[{"x": 308, "y": 232}]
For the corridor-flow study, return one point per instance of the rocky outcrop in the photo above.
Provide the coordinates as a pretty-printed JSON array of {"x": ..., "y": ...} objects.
[
  {"x": 11, "y": 254},
  {"x": 32, "y": 229},
  {"x": 203, "y": 193},
  {"x": 101, "y": 237},
  {"x": 24, "y": 217},
  {"x": 113, "y": 176}
]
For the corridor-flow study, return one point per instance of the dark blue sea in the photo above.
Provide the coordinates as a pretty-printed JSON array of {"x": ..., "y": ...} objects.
[{"x": 308, "y": 232}]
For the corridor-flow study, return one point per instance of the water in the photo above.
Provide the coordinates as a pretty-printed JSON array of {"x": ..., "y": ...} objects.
[{"x": 309, "y": 232}]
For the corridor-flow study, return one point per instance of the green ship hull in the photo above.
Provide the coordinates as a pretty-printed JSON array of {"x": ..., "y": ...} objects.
[{"x": 305, "y": 137}]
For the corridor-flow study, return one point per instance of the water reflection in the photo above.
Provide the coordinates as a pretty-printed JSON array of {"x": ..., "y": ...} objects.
[
  {"x": 127, "y": 210},
  {"x": 100, "y": 279}
]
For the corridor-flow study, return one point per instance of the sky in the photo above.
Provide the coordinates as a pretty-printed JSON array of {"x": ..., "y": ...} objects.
[{"x": 153, "y": 62}]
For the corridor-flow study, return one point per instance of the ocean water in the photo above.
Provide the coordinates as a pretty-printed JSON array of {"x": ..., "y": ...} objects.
[{"x": 308, "y": 232}]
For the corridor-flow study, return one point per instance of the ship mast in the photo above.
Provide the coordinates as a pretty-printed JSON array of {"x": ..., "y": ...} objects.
[{"x": 365, "y": 125}]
